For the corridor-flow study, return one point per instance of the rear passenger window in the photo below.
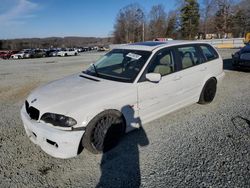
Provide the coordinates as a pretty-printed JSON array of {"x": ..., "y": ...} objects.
[
  {"x": 208, "y": 52},
  {"x": 189, "y": 56}
]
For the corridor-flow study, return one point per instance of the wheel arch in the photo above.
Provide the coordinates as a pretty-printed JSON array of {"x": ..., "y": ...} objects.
[
  {"x": 206, "y": 80},
  {"x": 111, "y": 110}
]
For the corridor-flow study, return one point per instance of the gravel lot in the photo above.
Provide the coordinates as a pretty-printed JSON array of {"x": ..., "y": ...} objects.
[{"x": 198, "y": 146}]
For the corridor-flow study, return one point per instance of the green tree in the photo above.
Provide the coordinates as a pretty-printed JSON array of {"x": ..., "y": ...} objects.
[
  {"x": 239, "y": 23},
  {"x": 245, "y": 6},
  {"x": 189, "y": 19}
]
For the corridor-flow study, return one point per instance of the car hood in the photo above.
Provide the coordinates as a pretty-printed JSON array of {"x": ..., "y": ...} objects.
[{"x": 66, "y": 95}]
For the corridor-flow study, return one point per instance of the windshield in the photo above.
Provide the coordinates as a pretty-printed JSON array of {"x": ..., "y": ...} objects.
[{"x": 119, "y": 65}]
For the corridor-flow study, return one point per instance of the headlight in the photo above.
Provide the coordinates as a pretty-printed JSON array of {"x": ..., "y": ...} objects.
[{"x": 58, "y": 120}]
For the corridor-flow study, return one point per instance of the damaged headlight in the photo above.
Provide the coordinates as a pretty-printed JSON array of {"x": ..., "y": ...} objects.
[{"x": 58, "y": 120}]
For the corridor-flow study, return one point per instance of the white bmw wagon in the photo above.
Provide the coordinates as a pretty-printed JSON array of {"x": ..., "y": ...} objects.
[{"x": 129, "y": 86}]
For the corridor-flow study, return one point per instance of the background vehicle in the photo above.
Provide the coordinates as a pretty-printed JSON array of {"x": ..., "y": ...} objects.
[
  {"x": 103, "y": 48},
  {"x": 242, "y": 57},
  {"x": 28, "y": 54},
  {"x": 67, "y": 52},
  {"x": 162, "y": 39},
  {"x": 38, "y": 53},
  {"x": 51, "y": 53},
  {"x": 3, "y": 54},
  {"x": 20, "y": 55}
]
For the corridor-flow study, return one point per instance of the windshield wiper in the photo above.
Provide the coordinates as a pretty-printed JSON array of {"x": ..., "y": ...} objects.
[{"x": 96, "y": 72}]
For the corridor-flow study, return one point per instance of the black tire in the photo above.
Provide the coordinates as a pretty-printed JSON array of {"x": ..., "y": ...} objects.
[
  {"x": 208, "y": 92},
  {"x": 66, "y": 54},
  {"x": 104, "y": 132},
  {"x": 75, "y": 54}
]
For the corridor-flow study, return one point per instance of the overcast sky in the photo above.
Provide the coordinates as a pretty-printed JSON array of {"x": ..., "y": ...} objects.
[{"x": 45, "y": 18}]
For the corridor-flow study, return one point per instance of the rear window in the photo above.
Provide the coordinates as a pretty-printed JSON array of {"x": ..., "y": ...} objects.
[{"x": 209, "y": 52}]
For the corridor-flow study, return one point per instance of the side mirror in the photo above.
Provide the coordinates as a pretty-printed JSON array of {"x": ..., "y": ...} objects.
[{"x": 153, "y": 77}]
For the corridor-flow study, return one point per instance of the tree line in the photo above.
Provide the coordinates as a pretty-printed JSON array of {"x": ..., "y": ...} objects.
[
  {"x": 53, "y": 42},
  {"x": 190, "y": 20}
]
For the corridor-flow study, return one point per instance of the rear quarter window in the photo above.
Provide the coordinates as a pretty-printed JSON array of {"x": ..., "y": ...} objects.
[{"x": 209, "y": 52}]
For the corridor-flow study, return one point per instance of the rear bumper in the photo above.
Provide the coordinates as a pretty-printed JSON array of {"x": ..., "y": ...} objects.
[{"x": 57, "y": 143}]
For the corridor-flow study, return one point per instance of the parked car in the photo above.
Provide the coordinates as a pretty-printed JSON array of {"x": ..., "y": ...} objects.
[
  {"x": 11, "y": 53},
  {"x": 52, "y": 53},
  {"x": 103, "y": 48},
  {"x": 18, "y": 55},
  {"x": 242, "y": 57},
  {"x": 3, "y": 54},
  {"x": 7, "y": 54},
  {"x": 67, "y": 52},
  {"x": 28, "y": 54},
  {"x": 38, "y": 53},
  {"x": 129, "y": 86}
]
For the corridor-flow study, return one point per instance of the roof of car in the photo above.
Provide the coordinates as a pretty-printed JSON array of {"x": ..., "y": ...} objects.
[{"x": 151, "y": 45}]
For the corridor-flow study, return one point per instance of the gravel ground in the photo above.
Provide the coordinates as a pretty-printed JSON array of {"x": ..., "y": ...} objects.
[{"x": 197, "y": 146}]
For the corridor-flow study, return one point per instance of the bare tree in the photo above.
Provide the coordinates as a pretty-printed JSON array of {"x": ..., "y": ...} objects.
[
  {"x": 207, "y": 11},
  {"x": 239, "y": 22},
  {"x": 244, "y": 15},
  {"x": 129, "y": 26},
  {"x": 157, "y": 22},
  {"x": 171, "y": 24},
  {"x": 223, "y": 17}
]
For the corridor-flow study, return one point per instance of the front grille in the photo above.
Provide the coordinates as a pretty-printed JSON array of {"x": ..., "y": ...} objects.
[{"x": 33, "y": 112}]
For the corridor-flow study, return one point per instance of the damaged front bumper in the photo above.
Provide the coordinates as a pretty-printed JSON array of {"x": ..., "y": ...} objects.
[{"x": 55, "y": 142}]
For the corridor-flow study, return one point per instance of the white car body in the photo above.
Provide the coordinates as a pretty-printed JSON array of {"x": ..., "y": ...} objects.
[
  {"x": 83, "y": 97},
  {"x": 19, "y": 55},
  {"x": 67, "y": 52}
]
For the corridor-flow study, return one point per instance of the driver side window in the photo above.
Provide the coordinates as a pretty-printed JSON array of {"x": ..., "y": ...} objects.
[{"x": 162, "y": 63}]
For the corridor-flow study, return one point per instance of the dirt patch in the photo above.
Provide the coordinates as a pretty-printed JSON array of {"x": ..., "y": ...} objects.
[
  {"x": 4, "y": 89},
  {"x": 50, "y": 61},
  {"x": 15, "y": 94},
  {"x": 45, "y": 170}
]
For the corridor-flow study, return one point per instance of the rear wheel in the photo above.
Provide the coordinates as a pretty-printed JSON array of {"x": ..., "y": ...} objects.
[
  {"x": 104, "y": 132},
  {"x": 208, "y": 92}
]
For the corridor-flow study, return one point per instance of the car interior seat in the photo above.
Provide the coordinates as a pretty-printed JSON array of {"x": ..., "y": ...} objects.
[
  {"x": 164, "y": 66},
  {"x": 187, "y": 60}
]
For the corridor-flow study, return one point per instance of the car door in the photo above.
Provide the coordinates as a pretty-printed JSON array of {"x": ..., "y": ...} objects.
[
  {"x": 156, "y": 99},
  {"x": 212, "y": 63},
  {"x": 192, "y": 71}
]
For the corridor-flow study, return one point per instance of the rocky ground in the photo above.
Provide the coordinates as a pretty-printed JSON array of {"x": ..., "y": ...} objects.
[{"x": 198, "y": 146}]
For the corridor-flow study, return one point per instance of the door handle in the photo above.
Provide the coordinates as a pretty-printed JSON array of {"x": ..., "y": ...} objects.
[
  {"x": 203, "y": 69},
  {"x": 177, "y": 78}
]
